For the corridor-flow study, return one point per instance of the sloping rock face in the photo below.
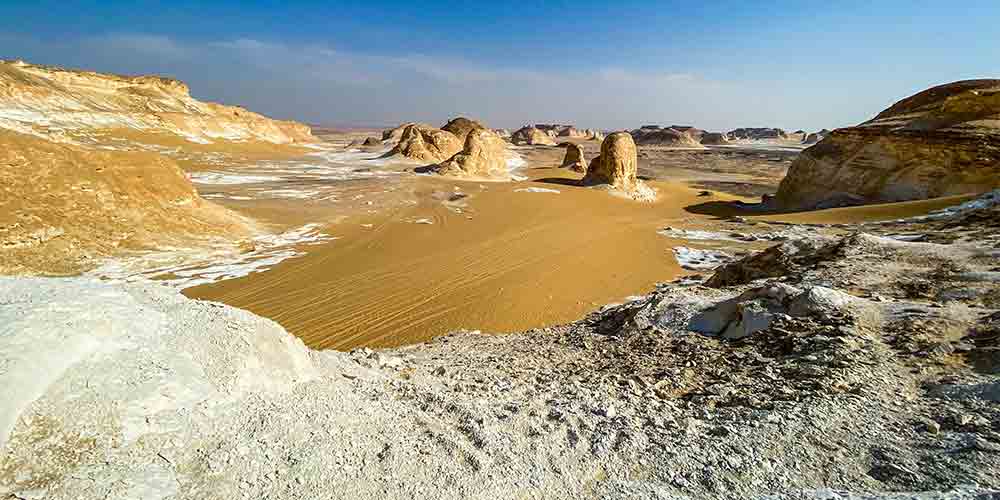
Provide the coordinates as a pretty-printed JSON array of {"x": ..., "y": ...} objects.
[
  {"x": 64, "y": 207},
  {"x": 669, "y": 137},
  {"x": 461, "y": 127},
  {"x": 694, "y": 132},
  {"x": 532, "y": 136},
  {"x": 481, "y": 156},
  {"x": 714, "y": 138},
  {"x": 815, "y": 137},
  {"x": 573, "y": 132},
  {"x": 757, "y": 133},
  {"x": 942, "y": 141},
  {"x": 63, "y": 104},
  {"x": 574, "y": 159},
  {"x": 426, "y": 144}
]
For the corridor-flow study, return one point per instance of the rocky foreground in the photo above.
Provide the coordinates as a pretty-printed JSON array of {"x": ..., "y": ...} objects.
[{"x": 861, "y": 363}]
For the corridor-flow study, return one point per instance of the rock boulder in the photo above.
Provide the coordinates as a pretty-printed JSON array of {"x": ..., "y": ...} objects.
[
  {"x": 426, "y": 144},
  {"x": 482, "y": 156},
  {"x": 574, "y": 159}
]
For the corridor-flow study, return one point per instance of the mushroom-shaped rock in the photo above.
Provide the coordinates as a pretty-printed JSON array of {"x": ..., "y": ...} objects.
[
  {"x": 618, "y": 163},
  {"x": 574, "y": 159},
  {"x": 532, "y": 136},
  {"x": 461, "y": 126},
  {"x": 616, "y": 167},
  {"x": 427, "y": 144},
  {"x": 481, "y": 156}
]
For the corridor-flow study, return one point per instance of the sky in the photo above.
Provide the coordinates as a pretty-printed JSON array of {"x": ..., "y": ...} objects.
[{"x": 716, "y": 65}]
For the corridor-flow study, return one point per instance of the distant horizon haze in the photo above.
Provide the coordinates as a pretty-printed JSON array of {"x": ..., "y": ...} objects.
[{"x": 716, "y": 66}]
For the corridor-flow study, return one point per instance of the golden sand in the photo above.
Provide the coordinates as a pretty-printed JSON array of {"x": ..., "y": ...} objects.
[
  {"x": 510, "y": 261},
  {"x": 870, "y": 213}
]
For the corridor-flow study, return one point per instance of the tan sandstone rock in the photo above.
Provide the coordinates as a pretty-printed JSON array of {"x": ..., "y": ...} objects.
[
  {"x": 532, "y": 136},
  {"x": 616, "y": 167},
  {"x": 574, "y": 159},
  {"x": 482, "y": 156},
  {"x": 426, "y": 144},
  {"x": 942, "y": 141}
]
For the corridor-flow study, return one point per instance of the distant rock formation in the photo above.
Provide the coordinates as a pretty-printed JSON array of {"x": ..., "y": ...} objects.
[
  {"x": 372, "y": 141},
  {"x": 942, "y": 141},
  {"x": 756, "y": 134},
  {"x": 394, "y": 134},
  {"x": 617, "y": 167},
  {"x": 461, "y": 127},
  {"x": 64, "y": 105},
  {"x": 426, "y": 144},
  {"x": 595, "y": 135},
  {"x": 695, "y": 133},
  {"x": 502, "y": 132},
  {"x": 714, "y": 138},
  {"x": 481, "y": 156},
  {"x": 574, "y": 159},
  {"x": 815, "y": 137},
  {"x": 532, "y": 136},
  {"x": 669, "y": 137}
]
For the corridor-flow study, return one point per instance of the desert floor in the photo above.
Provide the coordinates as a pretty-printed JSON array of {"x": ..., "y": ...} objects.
[{"x": 410, "y": 257}]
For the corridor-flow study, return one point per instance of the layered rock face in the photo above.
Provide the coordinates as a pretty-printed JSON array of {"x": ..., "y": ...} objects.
[
  {"x": 426, "y": 144},
  {"x": 481, "y": 156},
  {"x": 461, "y": 127},
  {"x": 532, "y": 136},
  {"x": 64, "y": 207},
  {"x": 64, "y": 105},
  {"x": 669, "y": 137},
  {"x": 942, "y": 141},
  {"x": 574, "y": 159}
]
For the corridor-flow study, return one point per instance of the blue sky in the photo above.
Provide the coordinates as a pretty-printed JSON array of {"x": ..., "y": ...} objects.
[{"x": 717, "y": 65}]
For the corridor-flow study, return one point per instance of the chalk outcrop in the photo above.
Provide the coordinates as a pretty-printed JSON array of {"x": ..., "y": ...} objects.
[
  {"x": 70, "y": 105},
  {"x": 616, "y": 167},
  {"x": 426, "y": 144},
  {"x": 531, "y": 136},
  {"x": 574, "y": 159},
  {"x": 939, "y": 142},
  {"x": 482, "y": 156}
]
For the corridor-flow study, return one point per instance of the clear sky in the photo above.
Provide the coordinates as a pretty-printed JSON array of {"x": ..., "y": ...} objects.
[{"x": 717, "y": 65}]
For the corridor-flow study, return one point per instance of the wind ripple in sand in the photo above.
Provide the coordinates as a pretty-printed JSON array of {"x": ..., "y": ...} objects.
[{"x": 188, "y": 267}]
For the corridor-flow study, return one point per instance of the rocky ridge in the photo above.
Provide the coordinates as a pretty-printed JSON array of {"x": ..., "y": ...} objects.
[
  {"x": 939, "y": 142},
  {"x": 69, "y": 105}
]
